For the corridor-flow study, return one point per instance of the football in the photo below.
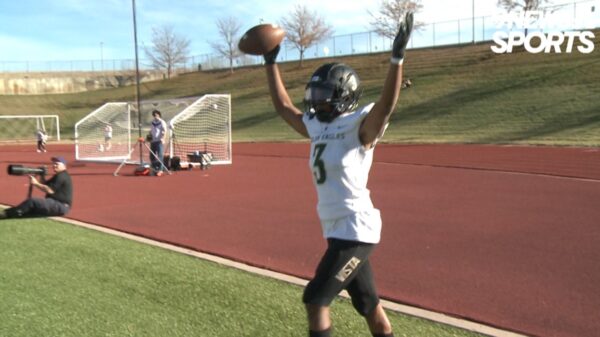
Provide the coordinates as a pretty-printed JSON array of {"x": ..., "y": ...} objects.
[{"x": 261, "y": 39}]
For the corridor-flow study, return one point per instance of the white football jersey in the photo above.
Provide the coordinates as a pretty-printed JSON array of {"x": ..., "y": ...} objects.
[{"x": 340, "y": 165}]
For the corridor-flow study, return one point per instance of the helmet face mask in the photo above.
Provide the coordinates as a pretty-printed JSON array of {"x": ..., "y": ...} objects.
[{"x": 333, "y": 89}]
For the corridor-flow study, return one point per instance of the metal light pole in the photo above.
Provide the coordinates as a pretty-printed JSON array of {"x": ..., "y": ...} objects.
[
  {"x": 473, "y": 14},
  {"x": 101, "y": 57},
  {"x": 137, "y": 84}
]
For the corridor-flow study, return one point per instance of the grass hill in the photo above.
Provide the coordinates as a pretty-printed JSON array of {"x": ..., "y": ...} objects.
[{"x": 460, "y": 94}]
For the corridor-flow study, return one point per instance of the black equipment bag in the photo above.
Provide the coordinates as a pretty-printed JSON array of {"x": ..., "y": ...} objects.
[{"x": 175, "y": 164}]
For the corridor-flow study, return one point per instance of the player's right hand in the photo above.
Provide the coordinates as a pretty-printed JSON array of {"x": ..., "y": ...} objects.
[
  {"x": 402, "y": 37},
  {"x": 271, "y": 56}
]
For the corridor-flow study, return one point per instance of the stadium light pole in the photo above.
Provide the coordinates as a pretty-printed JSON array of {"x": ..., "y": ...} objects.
[
  {"x": 101, "y": 57},
  {"x": 137, "y": 83},
  {"x": 473, "y": 14}
]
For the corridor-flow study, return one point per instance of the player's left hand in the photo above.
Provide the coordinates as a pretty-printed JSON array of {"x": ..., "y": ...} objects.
[{"x": 402, "y": 37}]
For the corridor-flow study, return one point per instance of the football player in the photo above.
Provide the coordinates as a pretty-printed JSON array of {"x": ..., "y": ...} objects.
[{"x": 343, "y": 136}]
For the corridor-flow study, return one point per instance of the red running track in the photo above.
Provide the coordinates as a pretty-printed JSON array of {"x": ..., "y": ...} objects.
[{"x": 506, "y": 236}]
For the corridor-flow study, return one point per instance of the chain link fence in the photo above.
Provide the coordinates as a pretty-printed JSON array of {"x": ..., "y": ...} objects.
[{"x": 576, "y": 15}]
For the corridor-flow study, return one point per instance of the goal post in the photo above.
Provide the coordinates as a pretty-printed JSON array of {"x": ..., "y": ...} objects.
[
  {"x": 104, "y": 134},
  {"x": 23, "y": 128},
  {"x": 204, "y": 126}
]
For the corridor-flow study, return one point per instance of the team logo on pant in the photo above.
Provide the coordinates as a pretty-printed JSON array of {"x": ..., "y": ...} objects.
[{"x": 347, "y": 269}]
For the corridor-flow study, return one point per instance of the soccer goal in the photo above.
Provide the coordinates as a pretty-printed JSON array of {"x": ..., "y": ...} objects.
[
  {"x": 196, "y": 124},
  {"x": 105, "y": 134},
  {"x": 24, "y": 128},
  {"x": 203, "y": 127}
]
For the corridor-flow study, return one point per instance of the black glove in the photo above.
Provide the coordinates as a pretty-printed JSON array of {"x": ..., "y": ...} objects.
[
  {"x": 272, "y": 55},
  {"x": 402, "y": 38}
]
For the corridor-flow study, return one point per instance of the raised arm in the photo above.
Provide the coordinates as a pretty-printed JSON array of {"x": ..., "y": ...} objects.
[
  {"x": 374, "y": 124},
  {"x": 279, "y": 95}
]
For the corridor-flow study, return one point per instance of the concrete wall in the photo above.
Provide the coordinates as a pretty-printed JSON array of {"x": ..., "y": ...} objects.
[{"x": 60, "y": 83}]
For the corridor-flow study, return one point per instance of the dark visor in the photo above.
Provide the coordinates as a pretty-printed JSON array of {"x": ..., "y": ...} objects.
[{"x": 318, "y": 94}]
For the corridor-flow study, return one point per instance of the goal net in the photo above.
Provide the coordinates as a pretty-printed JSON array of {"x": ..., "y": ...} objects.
[
  {"x": 203, "y": 127},
  {"x": 195, "y": 125},
  {"x": 104, "y": 134},
  {"x": 24, "y": 128}
]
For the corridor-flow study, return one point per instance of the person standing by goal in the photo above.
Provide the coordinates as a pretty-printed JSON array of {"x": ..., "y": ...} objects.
[
  {"x": 108, "y": 133},
  {"x": 343, "y": 136},
  {"x": 158, "y": 133}
]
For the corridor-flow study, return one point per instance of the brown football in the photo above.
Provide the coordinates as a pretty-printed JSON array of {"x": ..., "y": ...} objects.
[{"x": 261, "y": 39}]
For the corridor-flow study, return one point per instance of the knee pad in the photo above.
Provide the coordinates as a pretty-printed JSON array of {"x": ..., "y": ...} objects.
[
  {"x": 364, "y": 305},
  {"x": 306, "y": 295},
  {"x": 312, "y": 295},
  {"x": 309, "y": 296}
]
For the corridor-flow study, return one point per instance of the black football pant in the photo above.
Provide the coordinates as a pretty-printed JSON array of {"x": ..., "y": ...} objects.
[{"x": 345, "y": 265}]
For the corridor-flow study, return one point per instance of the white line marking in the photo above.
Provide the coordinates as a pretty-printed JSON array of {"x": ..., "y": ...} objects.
[{"x": 492, "y": 170}]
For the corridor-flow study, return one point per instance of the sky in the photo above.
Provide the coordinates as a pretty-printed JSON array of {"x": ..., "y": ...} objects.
[{"x": 49, "y": 30}]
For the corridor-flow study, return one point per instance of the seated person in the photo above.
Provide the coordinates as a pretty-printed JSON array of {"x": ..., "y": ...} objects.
[{"x": 59, "y": 195}]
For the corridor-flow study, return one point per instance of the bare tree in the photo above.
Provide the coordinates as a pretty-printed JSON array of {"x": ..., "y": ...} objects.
[
  {"x": 391, "y": 12},
  {"x": 229, "y": 29},
  {"x": 304, "y": 29},
  {"x": 524, "y": 5},
  {"x": 168, "y": 49}
]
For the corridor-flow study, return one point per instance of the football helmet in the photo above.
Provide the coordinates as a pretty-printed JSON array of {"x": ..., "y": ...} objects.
[{"x": 333, "y": 89}]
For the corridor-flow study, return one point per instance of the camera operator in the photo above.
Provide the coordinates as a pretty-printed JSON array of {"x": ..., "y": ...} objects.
[{"x": 59, "y": 195}]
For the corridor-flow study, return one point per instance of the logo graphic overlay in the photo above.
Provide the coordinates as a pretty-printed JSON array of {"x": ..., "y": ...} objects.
[{"x": 541, "y": 32}]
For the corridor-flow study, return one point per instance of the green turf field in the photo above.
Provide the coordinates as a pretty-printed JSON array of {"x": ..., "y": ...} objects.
[
  {"x": 57, "y": 279},
  {"x": 460, "y": 94}
]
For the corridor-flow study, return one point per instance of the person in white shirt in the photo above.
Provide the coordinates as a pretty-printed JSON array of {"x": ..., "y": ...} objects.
[
  {"x": 158, "y": 133},
  {"x": 108, "y": 134},
  {"x": 42, "y": 138},
  {"x": 343, "y": 136}
]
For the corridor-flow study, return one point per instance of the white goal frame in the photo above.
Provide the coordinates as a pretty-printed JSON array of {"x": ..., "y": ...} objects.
[
  {"x": 207, "y": 123},
  {"x": 89, "y": 134},
  {"x": 40, "y": 123}
]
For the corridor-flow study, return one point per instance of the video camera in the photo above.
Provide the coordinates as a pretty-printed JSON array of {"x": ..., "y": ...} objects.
[{"x": 20, "y": 170}]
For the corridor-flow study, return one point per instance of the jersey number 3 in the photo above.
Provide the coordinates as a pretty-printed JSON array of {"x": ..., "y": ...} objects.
[{"x": 318, "y": 164}]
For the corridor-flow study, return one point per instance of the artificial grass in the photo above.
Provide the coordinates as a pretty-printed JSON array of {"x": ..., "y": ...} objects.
[{"x": 61, "y": 280}]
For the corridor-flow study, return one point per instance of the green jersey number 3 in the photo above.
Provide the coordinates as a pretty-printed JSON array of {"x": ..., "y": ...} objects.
[{"x": 318, "y": 164}]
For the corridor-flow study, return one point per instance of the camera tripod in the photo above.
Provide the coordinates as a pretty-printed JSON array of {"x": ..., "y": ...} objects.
[{"x": 140, "y": 141}]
